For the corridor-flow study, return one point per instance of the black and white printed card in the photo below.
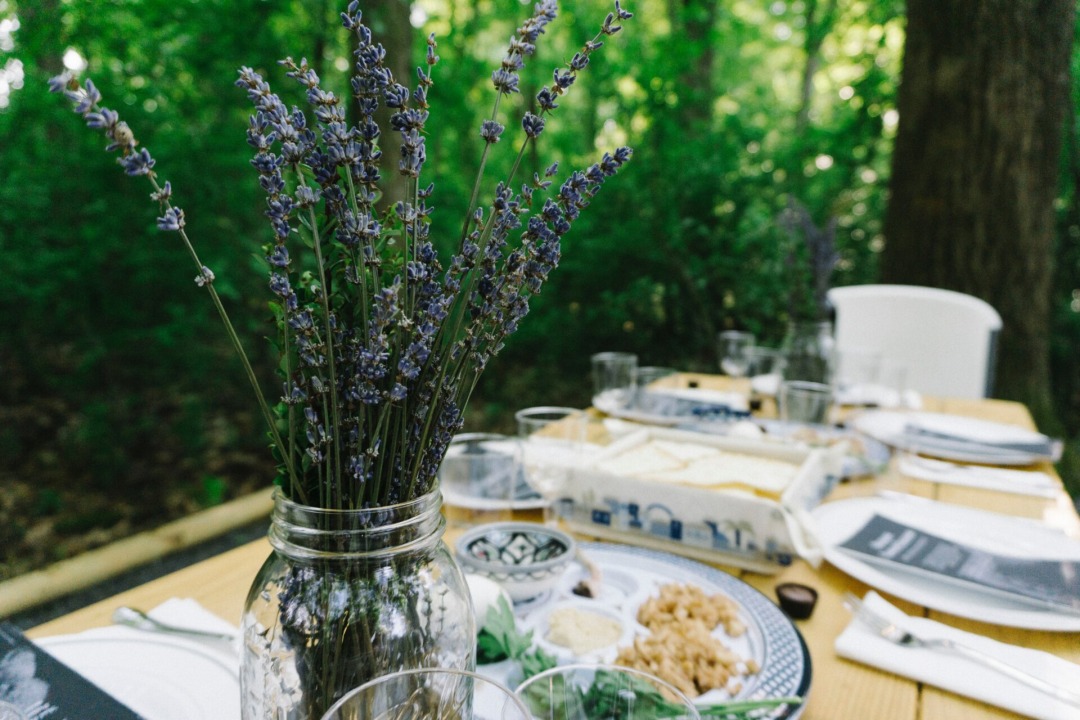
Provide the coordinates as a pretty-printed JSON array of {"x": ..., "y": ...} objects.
[
  {"x": 43, "y": 688},
  {"x": 1041, "y": 581}
]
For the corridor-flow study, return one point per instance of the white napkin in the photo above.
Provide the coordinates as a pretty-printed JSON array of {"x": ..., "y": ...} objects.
[
  {"x": 989, "y": 437},
  {"x": 188, "y": 613},
  {"x": 1021, "y": 482},
  {"x": 174, "y": 680},
  {"x": 956, "y": 673}
]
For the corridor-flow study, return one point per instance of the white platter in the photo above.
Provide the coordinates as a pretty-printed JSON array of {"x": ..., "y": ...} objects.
[
  {"x": 888, "y": 426},
  {"x": 157, "y": 676},
  {"x": 631, "y": 575},
  {"x": 992, "y": 532}
]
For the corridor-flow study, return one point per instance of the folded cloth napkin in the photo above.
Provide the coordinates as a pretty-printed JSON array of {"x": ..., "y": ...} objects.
[
  {"x": 188, "y": 613},
  {"x": 956, "y": 673},
  {"x": 987, "y": 437},
  {"x": 1021, "y": 482}
]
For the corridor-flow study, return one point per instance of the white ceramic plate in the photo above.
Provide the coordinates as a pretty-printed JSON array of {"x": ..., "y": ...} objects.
[
  {"x": 688, "y": 404},
  {"x": 992, "y": 532},
  {"x": 525, "y": 499},
  {"x": 158, "y": 676},
  {"x": 888, "y": 427},
  {"x": 631, "y": 574}
]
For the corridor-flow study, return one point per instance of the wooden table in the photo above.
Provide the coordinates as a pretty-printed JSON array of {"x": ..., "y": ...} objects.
[{"x": 840, "y": 689}]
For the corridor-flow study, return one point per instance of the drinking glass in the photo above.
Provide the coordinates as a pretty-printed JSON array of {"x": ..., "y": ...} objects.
[
  {"x": 429, "y": 694},
  {"x": 766, "y": 369},
  {"x": 802, "y": 401},
  {"x": 614, "y": 381},
  {"x": 600, "y": 692},
  {"x": 856, "y": 376},
  {"x": 734, "y": 348},
  {"x": 553, "y": 441},
  {"x": 892, "y": 379},
  {"x": 651, "y": 384},
  {"x": 480, "y": 478}
]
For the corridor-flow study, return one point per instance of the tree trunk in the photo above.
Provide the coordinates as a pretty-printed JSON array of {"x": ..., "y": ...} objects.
[
  {"x": 817, "y": 29},
  {"x": 975, "y": 167},
  {"x": 389, "y": 22},
  {"x": 693, "y": 23}
]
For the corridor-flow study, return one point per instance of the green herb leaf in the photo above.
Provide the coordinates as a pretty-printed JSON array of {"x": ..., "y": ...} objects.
[{"x": 500, "y": 639}]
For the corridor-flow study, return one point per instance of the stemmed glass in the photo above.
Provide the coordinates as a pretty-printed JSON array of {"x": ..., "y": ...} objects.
[
  {"x": 429, "y": 694},
  {"x": 599, "y": 692},
  {"x": 553, "y": 440},
  {"x": 735, "y": 348}
]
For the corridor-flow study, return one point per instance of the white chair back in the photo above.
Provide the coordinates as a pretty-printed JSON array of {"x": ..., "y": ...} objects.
[{"x": 947, "y": 340}]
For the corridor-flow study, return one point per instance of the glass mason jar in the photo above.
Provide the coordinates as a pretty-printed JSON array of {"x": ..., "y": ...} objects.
[
  {"x": 348, "y": 596},
  {"x": 809, "y": 351}
]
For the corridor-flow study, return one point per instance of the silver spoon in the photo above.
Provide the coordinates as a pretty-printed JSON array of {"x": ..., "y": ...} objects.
[{"x": 141, "y": 621}]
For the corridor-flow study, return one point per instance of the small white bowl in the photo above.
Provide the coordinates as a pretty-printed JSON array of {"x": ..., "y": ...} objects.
[{"x": 527, "y": 559}]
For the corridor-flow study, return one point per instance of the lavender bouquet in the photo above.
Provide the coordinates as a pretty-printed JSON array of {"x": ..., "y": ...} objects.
[
  {"x": 381, "y": 345},
  {"x": 822, "y": 257}
]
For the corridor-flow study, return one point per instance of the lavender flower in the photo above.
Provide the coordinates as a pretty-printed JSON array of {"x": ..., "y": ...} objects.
[
  {"x": 381, "y": 347},
  {"x": 172, "y": 220},
  {"x": 491, "y": 131}
]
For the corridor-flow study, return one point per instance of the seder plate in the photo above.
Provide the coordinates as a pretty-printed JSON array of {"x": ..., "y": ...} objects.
[{"x": 630, "y": 575}]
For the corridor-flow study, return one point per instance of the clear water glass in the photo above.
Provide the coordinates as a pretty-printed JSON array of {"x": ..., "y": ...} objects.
[
  {"x": 734, "y": 347},
  {"x": 429, "y": 694},
  {"x": 553, "y": 442},
  {"x": 614, "y": 380},
  {"x": 857, "y": 373},
  {"x": 653, "y": 387},
  {"x": 802, "y": 401},
  {"x": 480, "y": 476}
]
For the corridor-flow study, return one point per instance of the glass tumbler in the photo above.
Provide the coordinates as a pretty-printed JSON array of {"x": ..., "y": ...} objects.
[
  {"x": 553, "y": 441},
  {"x": 481, "y": 476},
  {"x": 614, "y": 380},
  {"x": 805, "y": 402},
  {"x": 429, "y": 694}
]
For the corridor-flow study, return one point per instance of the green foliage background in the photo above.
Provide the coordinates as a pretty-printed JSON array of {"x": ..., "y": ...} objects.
[{"x": 114, "y": 372}]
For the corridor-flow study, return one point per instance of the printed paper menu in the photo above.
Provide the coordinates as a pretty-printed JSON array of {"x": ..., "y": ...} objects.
[
  {"x": 1041, "y": 581},
  {"x": 41, "y": 687}
]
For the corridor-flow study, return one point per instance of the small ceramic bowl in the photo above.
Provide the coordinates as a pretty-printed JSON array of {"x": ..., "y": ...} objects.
[{"x": 525, "y": 558}]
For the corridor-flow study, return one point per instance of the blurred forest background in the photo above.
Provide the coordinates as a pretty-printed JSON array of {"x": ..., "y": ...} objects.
[{"x": 121, "y": 404}]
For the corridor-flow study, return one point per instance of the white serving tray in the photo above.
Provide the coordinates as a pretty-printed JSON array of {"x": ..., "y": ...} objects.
[{"x": 732, "y": 527}]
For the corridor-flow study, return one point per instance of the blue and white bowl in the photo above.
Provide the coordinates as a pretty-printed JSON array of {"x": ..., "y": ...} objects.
[{"x": 526, "y": 559}]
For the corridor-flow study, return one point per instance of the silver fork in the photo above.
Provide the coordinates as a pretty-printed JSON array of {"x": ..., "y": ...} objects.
[
  {"x": 898, "y": 635},
  {"x": 141, "y": 621}
]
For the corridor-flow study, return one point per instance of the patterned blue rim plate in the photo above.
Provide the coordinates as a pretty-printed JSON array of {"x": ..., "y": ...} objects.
[{"x": 634, "y": 573}]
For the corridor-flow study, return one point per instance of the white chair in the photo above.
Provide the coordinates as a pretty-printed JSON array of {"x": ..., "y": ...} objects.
[{"x": 947, "y": 340}]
